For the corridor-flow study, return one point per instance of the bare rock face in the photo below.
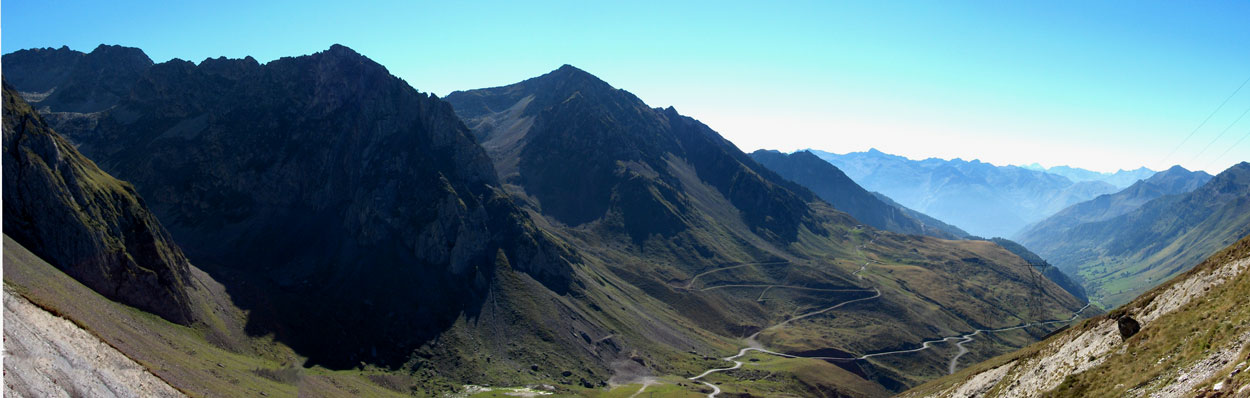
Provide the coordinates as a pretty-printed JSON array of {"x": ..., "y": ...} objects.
[
  {"x": 1128, "y": 326},
  {"x": 93, "y": 227}
]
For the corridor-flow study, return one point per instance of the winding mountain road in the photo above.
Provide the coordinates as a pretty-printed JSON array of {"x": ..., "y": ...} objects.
[
  {"x": 754, "y": 345},
  {"x": 690, "y": 284}
]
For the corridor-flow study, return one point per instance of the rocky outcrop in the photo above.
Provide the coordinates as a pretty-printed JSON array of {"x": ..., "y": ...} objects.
[
  {"x": 63, "y": 208},
  {"x": 1127, "y": 326}
]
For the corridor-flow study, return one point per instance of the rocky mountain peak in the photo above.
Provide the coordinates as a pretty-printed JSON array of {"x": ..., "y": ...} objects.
[{"x": 107, "y": 53}]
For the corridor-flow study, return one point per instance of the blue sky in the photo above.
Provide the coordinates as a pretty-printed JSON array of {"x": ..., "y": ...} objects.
[{"x": 1101, "y": 85}]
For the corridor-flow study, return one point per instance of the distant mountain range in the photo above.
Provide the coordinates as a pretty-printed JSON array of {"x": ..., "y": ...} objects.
[
  {"x": 1173, "y": 181},
  {"x": 879, "y": 211},
  {"x": 1120, "y": 178},
  {"x": 844, "y": 194},
  {"x": 1122, "y": 244},
  {"x": 981, "y": 198}
]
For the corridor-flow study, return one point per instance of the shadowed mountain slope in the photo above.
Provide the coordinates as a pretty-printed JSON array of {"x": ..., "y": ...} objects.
[
  {"x": 71, "y": 81},
  {"x": 579, "y": 147},
  {"x": 88, "y": 224},
  {"x": 348, "y": 210}
]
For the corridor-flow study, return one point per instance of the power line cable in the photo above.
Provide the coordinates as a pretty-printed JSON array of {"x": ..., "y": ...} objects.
[
  {"x": 1217, "y": 137},
  {"x": 1204, "y": 121},
  {"x": 1234, "y": 145}
]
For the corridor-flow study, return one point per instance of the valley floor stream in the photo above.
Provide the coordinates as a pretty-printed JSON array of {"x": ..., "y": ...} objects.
[{"x": 754, "y": 345}]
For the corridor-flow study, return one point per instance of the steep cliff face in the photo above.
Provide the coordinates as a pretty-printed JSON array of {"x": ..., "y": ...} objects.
[
  {"x": 62, "y": 207},
  {"x": 354, "y": 215},
  {"x": 1187, "y": 337}
]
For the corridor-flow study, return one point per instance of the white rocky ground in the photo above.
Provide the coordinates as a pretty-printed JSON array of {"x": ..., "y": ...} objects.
[
  {"x": 1034, "y": 375},
  {"x": 49, "y": 356}
]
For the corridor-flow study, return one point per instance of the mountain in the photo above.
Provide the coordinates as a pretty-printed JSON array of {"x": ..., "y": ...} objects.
[
  {"x": 1184, "y": 338},
  {"x": 544, "y": 151},
  {"x": 695, "y": 223},
  {"x": 979, "y": 197},
  {"x": 568, "y": 235},
  {"x": 830, "y": 184},
  {"x": 1120, "y": 256},
  {"x": 93, "y": 227},
  {"x": 71, "y": 81},
  {"x": 1119, "y": 179},
  {"x": 81, "y": 246},
  {"x": 1050, "y": 232},
  {"x": 345, "y": 209}
]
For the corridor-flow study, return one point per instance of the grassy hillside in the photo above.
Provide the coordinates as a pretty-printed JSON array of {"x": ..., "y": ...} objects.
[{"x": 1194, "y": 334}]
